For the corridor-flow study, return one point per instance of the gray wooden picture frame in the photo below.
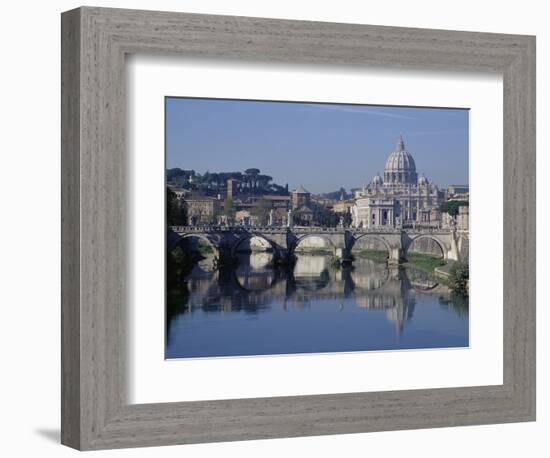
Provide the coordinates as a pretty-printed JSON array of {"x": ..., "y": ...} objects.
[{"x": 95, "y": 41}]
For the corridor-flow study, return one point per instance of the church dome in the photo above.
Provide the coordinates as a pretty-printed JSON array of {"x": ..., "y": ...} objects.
[
  {"x": 400, "y": 167},
  {"x": 423, "y": 181},
  {"x": 377, "y": 180}
]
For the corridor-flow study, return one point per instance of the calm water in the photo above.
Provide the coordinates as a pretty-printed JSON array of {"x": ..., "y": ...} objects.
[{"x": 255, "y": 309}]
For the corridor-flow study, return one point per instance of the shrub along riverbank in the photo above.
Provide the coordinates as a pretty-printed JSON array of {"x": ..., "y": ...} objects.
[
  {"x": 455, "y": 274},
  {"x": 459, "y": 277}
]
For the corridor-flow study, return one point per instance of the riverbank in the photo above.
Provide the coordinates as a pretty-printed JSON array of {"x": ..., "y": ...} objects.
[
  {"x": 452, "y": 273},
  {"x": 455, "y": 275},
  {"x": 373, "y": 255},
  {"x": 314, "y": 251},
  {"x": 424, "y": 262}
]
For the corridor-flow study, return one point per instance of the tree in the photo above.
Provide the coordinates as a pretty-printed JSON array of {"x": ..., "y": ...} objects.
[
  {"x": 336, "y": 195},
  {"x": 176, "y": 212},
  {"x": 177, "y": 173},
  {"x": 347, "y": 219},
  {"x": 229, "y": 209},
  {"x": 299, "y": 219},
  {"x": 324, "y": 216},
  {"x": 263, "y": 181},
  {"x": 451, "y": 206},
  {"x": 458, "y": 277},
  {"x": 252, "y": 173},
  {"x": 261, "y": 211},
  {"x": 215, "y": 179},
  {"x": 277, "y": 189}
]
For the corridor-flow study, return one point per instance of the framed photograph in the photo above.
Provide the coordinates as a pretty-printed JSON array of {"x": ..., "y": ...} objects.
[
  {"x": 264, "y": 266},
  {"x": 277, "y": 228}
]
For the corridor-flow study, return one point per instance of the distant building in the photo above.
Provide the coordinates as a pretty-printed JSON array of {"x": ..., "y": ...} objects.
[
  {"x": 400, "y": 198},
  {"x": 374, "y": 212},
  {"x": 277, "y": 201},
  {"x": 343, "y": 206},
  {"x": 300, "y": 197},
  {"x": 179, "y": 192},
  {"x": 201, "y": 209},
  {"x": 463, "y": 218},
  {"x": 429, "y": 216},
  {"x": 230, "y": 185},
  {"x": 243, "y": 217},
  {"x": 303, "y": 214},
  {"x": 458, "y": 192},
  {"x": 454, "y": 189}
]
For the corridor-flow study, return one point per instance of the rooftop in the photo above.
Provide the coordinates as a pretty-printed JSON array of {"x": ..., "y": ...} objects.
[
  {"x": 301, "y": 190},
  {"x": 272, "y": 197}
]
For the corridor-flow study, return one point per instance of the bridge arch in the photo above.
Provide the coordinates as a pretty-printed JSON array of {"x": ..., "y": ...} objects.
[
  {"x": 374, "y": 237},
  {"x": 251, "y": 281},
  {"x": 444, "y": 249},
  {"x": 270, "y": 245},
  {"x": 188, "y": 239},
  {"x": 368, "y": 276},
  {"x": 321, "y": 236}
]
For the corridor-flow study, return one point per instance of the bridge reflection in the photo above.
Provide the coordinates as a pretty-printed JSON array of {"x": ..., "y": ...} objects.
[{"x": 256, "y": 285}]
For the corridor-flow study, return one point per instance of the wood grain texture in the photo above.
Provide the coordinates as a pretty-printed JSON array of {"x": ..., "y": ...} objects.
[
  {"x": 95, "y": 413},
  {"x": 70, "y": 229}
]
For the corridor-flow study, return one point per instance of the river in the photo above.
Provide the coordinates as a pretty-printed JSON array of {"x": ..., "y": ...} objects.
[{"x": 255, "y": 308}]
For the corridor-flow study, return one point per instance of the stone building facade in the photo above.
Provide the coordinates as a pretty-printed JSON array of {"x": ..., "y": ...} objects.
[
  {"x": 458, "y": 192},
  {"x": 463, "y": 218},
  {"x": 202, "y": 209},
  {"x": 300, "y": 197},
  {"x": 371, "y": 212},
  {"x": 400, "y": 198}
]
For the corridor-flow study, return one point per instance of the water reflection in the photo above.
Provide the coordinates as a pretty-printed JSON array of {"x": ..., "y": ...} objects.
[
  {"x": 348, "y": 308},
  {"x": 255, "y": 272}
]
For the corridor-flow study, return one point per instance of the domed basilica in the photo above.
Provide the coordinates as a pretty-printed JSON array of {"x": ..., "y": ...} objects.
[{"x": 400, "y": 199}]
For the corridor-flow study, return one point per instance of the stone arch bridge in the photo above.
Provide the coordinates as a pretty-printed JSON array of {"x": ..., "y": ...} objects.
[{"x": 226, "y": 241}]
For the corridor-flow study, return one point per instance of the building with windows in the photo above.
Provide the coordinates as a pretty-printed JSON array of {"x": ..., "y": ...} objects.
[
  {"x": 399, "y": 198},
  {"x": 201, "y": 209},
  {"x": 458, "y": 192},
  {"x": 300, "y": 197}
]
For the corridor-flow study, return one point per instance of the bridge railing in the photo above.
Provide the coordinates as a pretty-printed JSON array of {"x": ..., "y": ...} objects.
[
  {"x": 374, "y": 230},
  {"x": 427, "y": 230},
  {"x": 216, "y": 228},
  {"x": 307, "y": 229}
]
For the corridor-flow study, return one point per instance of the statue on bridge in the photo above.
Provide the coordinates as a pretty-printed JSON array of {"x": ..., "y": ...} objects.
[
  {"x": 398, "y": 223},
  {"x": 289, "y": 219}
]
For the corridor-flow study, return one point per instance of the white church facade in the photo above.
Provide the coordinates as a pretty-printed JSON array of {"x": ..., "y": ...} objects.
[{"x": 400, "y": 198}]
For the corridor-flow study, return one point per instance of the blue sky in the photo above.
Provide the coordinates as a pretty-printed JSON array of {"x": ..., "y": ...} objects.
[{"x": 320, "y": 146}]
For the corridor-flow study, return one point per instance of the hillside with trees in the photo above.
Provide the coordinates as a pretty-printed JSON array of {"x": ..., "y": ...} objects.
[{"x": 251, "y": 181}]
